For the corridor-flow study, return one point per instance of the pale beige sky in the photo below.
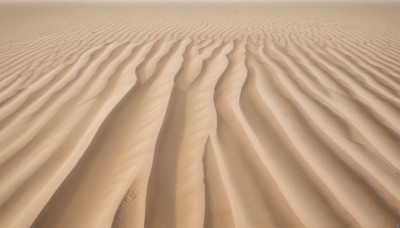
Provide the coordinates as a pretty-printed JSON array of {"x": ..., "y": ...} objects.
[
  {"x": 200, "y": 0},
  {"x": 196, "y": 1}
]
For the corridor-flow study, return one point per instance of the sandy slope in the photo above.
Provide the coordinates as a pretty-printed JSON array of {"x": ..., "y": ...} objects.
[{"x": 199, "y": 116}]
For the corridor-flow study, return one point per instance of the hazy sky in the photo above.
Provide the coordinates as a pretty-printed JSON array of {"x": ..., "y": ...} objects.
[{"x": 200, "y": 0}]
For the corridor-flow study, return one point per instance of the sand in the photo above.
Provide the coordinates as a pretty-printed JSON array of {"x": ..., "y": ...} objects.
[{"x": 189, "y": 116}]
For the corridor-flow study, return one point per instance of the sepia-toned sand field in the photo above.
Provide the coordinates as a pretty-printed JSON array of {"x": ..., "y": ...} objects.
[{"x": 199, "y": 115}]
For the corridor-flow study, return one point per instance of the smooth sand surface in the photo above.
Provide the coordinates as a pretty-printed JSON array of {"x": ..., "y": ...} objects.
[{"x": 196, "y": 116}]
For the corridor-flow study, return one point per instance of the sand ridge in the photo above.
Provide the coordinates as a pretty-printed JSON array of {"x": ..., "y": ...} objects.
[{"x": 199, "y": 115}]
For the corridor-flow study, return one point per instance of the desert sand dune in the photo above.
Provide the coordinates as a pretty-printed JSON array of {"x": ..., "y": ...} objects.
[{"x": 160, "y": 116}]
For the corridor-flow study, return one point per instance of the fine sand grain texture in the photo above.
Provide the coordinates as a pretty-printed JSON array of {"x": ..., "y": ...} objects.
[{"x": 190, "y": 116}]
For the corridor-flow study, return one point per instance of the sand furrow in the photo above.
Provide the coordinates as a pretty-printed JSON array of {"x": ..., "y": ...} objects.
[
  {"x": 274, "y": 98},
  {"x": 356, "y": 111},
  {"x": 331, "y": 125},
  {"x": 337, "y": 130},
  {"x": 309, "y": 148}
]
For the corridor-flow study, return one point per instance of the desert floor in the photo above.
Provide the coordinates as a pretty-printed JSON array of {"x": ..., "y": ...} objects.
[{"x": 190, "y": 116}]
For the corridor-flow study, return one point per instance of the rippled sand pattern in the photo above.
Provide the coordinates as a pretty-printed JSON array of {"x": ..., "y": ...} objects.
[{"x": 190, "y": 116}]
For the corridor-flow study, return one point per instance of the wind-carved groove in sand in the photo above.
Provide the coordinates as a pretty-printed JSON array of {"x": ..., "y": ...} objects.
[
  {"x": 130, "y": 77},
  {"x": 376, "y": 69},
  {"x": 232, "y": 126},
  {"x": 332, "y": 128},
  {"x": 127, "y": 150},
  {"x": 378, "y": 102},
  {"x": 281, "y": 153},
  {"x": 11, "y": 128},
  {"x": 79, "y": 144},
  {"x": 309, "y": 148},
  {"x": 87, "y": 41},
  {"x": 37, "y": 121},
  {"x": 315, "y": 114},
  {"x": 162, "y": 192},
  {"x": 44, "y": 86},
  {"x": 361, "y": 118},
  {"x": 316, "y": 67}
]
